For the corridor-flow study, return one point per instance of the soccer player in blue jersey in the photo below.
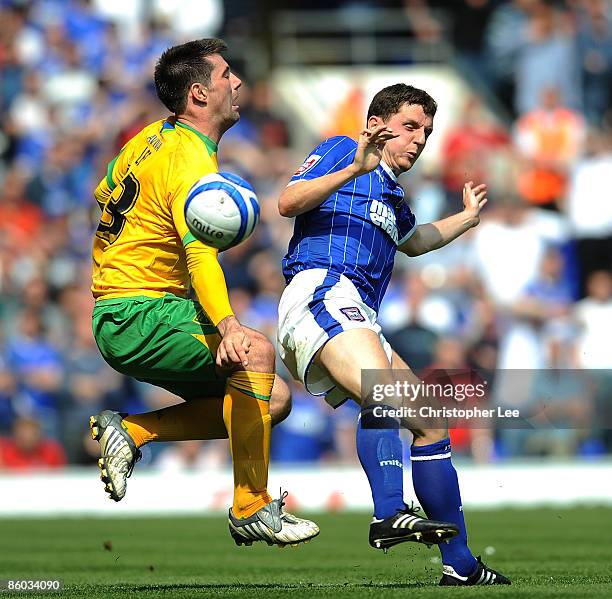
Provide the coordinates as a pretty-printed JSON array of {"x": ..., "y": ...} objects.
[{"x": 350, "y": 219}]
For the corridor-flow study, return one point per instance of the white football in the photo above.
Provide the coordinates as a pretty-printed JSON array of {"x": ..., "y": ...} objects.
[{"x": 222, "y": 210}]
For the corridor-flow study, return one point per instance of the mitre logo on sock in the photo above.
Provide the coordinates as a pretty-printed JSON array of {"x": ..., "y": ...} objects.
[{"x": 397, "y": 463}]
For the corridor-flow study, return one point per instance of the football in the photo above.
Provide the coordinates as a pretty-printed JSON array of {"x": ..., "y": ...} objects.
[{"x": 222, "y": 210}]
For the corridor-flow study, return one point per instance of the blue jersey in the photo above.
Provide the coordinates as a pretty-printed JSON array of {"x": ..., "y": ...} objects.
[{"x": 355, "y": 232}]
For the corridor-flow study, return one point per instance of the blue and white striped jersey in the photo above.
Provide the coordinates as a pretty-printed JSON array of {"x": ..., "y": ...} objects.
[{"x": 355, "y": 232}]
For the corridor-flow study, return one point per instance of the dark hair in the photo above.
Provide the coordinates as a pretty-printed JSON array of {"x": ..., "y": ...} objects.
[
  {"x": 179, "y": 67},
  {"x": 389, "y": 100}
]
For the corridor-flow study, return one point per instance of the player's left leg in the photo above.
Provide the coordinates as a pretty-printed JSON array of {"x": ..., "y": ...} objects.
[
  {"x": 254, "y": 516},
  {"x": 437, "y": 488}
]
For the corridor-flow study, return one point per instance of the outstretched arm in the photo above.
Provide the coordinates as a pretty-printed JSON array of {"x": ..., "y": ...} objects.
[
  {"x": 433, "y": 236},
  {"x": 303, "y": 196}
]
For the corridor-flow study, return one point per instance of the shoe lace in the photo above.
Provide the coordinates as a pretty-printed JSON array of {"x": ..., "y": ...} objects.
[
  {"x": 412, "y": 509},
  {"x": 137, "y": 458},
  {"x": 281, "y": 499}
]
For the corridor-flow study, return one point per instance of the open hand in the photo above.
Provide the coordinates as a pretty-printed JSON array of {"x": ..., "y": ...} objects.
[
  {"x": 474, "y": 199},
  {"x": 370, "y": 146}
]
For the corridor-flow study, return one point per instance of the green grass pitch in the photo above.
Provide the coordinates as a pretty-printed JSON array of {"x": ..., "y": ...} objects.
[{"x": 547, "y": 553}]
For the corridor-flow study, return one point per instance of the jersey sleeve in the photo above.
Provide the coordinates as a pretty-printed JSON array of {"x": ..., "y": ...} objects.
[
  {"x": 333, "y": 154},
  {"x": 406, "y": 223},
  {"x": 180, "y": 186},
  {"x": 208, "y": 281},
  {"x": 110, "y": 180}
]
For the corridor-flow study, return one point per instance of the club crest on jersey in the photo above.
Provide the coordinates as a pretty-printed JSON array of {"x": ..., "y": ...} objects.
[
  {"x": 353, "y": 313},
  {"x": 383, "y": 216},
  {"x": 308, "y": 164}
]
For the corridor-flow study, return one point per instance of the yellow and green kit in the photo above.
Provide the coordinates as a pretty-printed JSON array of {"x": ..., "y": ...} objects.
[{"x": 143, "y": 254}]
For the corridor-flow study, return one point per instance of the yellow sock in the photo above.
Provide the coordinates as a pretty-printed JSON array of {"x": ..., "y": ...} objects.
[
  {"x": 246, "y": 412},
  {"x": 195, "y": 419}
]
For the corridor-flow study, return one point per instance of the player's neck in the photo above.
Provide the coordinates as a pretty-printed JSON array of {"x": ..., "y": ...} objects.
[
  {"x": 204, "y": 127},
  {"x": 390, "y": 166},
  {"x": 389, "y": 169}
]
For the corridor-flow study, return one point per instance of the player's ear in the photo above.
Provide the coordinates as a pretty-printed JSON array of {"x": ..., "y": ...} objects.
[
  {"x": 374, "y": 121},
  {"x": 199, "y": 93}
]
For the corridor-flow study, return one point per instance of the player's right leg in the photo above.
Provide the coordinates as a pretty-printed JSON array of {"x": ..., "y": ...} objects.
[{"x": 379, "y": 446}]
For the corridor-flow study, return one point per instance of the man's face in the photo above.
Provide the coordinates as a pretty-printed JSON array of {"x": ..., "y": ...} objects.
[
  {"x": 412, "y": 127},
  {"x": 223, "y": 92}
]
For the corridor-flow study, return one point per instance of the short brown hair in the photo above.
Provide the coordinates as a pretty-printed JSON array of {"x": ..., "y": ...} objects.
[
  {"x": 179, "y": 67},
  {"x": 389, "y": 100}
]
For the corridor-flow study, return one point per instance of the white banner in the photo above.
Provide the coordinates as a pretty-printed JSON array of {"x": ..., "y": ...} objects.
[{"x": 80, "y": 491}]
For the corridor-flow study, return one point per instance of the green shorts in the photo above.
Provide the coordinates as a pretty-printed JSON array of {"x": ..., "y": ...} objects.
[{"x": 167, "y": 341}]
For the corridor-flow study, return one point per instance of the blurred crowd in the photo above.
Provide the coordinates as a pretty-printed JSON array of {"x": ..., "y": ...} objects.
[{"x": 530, "y": 288}]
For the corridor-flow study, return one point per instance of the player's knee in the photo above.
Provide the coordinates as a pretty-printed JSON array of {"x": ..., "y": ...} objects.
[
  {"x": 262, "y": 354},
  {"x": 280, "y": 401},
  {"x": 429, "y": 436}
]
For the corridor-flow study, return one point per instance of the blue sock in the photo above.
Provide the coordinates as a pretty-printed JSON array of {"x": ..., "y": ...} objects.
[
  {"x": 437, "y": 489},
  {"x": 380, "y": 453}
]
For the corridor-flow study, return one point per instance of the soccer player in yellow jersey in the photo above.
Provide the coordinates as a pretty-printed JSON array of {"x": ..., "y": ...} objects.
[{"x": 144, "y": 259}]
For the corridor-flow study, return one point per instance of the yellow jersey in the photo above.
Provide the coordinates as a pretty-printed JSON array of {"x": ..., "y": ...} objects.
[{"x": 142, "y": 243}]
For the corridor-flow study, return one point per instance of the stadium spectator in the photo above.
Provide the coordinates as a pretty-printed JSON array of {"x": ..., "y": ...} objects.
[
  {"x": 404, "y": 325},
  {"x": 589, "y": 209},
  {"x": 560, "y": 404},
  {"x": 542, "y": 45},
  {"x": 471, "y": 150},
  {"x": 548, "y": 297},
  {"x": 450, "y": 366},
  {"x": 469, "y": 27},
  {"x": 544, "y": 302},
  {"x": 307, "y": 435},
  {"x": 8, "y": 387},
  {"x": 193, "y": 456},
  {"x": 38, "y": 367},
  {"x": 29, "y": 449},
  {"x": 503, "y": 37},
  {"x": 347, "y": 117},
  {"x": 90, "y": 384},
  {"x": 591, "y": 314},
  {"x": 594, "y": 44},
  {"x": 20, "y": 219},
  {"x": 550, "y": 140},
  {"x": 64, "y": 181}
]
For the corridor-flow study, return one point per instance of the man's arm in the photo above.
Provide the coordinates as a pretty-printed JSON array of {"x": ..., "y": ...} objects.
[
  {"x": 433, "y": 236},
  {"x": 208, "y": 282},
  {"x": 303, "y": 196}
]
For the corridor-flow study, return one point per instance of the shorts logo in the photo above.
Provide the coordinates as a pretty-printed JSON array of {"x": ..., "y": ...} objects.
[
  {"x": 353, "y": 313},
  {"x": 308, "y": 164}
]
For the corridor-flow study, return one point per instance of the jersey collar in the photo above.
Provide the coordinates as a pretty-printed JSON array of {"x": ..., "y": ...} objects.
[
  {"x": 387, "y": 169},
  {"x": 211, "y": 146}
]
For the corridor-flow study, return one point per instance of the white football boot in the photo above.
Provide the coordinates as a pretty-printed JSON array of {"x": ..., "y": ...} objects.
[
  {"x": 118, "y": 453},
  {"x": 272, "y": 525}
]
